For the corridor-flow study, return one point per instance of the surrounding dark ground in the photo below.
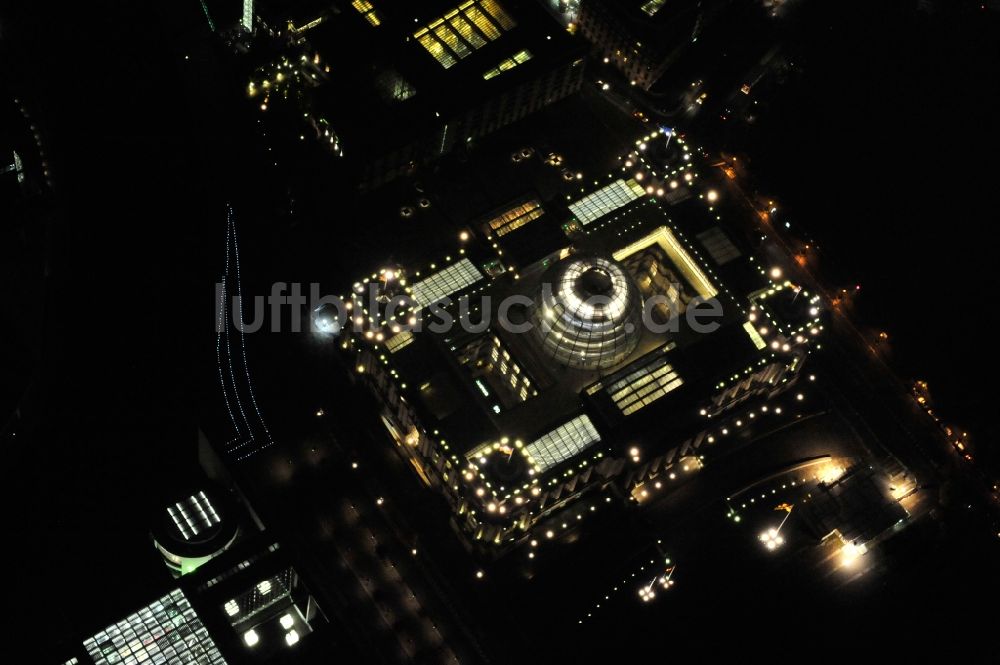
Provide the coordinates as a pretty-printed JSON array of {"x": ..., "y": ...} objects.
[{"x": 884, "y": 150}]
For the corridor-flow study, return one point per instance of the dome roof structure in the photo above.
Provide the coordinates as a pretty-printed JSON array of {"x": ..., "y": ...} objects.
[{"x": 588, "y": 313}]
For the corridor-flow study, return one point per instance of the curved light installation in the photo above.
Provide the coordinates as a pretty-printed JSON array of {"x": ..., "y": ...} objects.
[{"x": 588, "y": 314}]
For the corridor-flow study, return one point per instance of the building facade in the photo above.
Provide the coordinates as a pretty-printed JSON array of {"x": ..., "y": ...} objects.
[{"x": 641, "y": 38}]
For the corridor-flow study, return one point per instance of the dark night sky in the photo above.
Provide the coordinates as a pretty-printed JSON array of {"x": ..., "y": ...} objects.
[
  {"x": 886, "y": 150},
  {"x": 110, "y": 413}
]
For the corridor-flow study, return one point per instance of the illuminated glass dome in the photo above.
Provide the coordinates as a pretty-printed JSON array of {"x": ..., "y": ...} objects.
[{"x": 588, "y": 314}]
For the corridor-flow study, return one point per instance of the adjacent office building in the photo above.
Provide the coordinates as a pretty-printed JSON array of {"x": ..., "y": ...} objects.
[
  {"x": 641, "y": 38},
  {"x": 431, "y": 78},
  {"x": 246, "y": 605}
]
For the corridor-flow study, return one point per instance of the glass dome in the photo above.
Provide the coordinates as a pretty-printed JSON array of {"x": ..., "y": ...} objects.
[{"x": 587, "y": 314}]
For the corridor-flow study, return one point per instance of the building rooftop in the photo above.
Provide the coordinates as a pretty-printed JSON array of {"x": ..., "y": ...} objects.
[
  {"x": 631, "y": 320},
  {"x": 655, "y": 24},
  {"x": 858, "y": 506},
  {"x": 411, "y": 71},
  {"x": 479, "y": 387}
]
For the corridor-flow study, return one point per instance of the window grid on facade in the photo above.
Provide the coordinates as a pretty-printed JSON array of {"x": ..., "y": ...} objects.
[
  {"x": 399, "y": 341},
  {"x": 644, "y": 386},
  {"x": 496, "y": 373},
  {"x": 393, "y": 87},
  {"x": 606, "y": 200},
  {"x": 366, "y": 9},
  {"x": 511, "y": 372},
  {"x": 653, "y": 6},
  {"x": 498, "y": 13},
  {"x": 513, "y": 61},
  {"x": 516, "y": 217},
  {"x": 563, "y": 443},
  {"x": 262, "y": 595},
  {"x": 193, "y": 515},
  {"x": 436, "y": 48},
  {"x": 443, "y": 283},
  {"x": 463, "y": 30},
  {"x": 167, "y": 631}
]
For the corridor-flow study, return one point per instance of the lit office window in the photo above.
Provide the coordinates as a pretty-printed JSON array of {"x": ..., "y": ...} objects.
[
  {"x": 563, "y": 442},
  {"x": 495, "y": 372},
  {"x": 193, "y": 515},
  {"x": 510, "y": 63},
  {"x": 653, "y": 6},
  {"x": 644, "y": 386},
  {"x": 444, "y": 32},
  {"x": 606, "y": 200},
  {"x": 435, "y": 48},
  {"x": 166, "y": 631},
  {"x": 399, "y": 341},
  {"x": 515, "y": 217},
  {"x": 367, "y": 10},
  {"x": 755, "y": 337},
  {"x": 463, "y": 30},
  {"x": 254, "y": 601},
  {"x": 393, "y": 87},
  {"x": 498, "y": 14},
  {"x": 443, "y": 283},
  {"x": 18, "y": 167},
  {"x": 481, "y": 20}
]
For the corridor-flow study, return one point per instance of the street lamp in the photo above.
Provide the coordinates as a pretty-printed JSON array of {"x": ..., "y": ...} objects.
[
  {"x": 669, "y": 133},
  {"x": 648, "y": 593},
  {"x": 665, "y": 580},
  {"x": 772, "y": 538},
  {"x": 850, "y": 553}
]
